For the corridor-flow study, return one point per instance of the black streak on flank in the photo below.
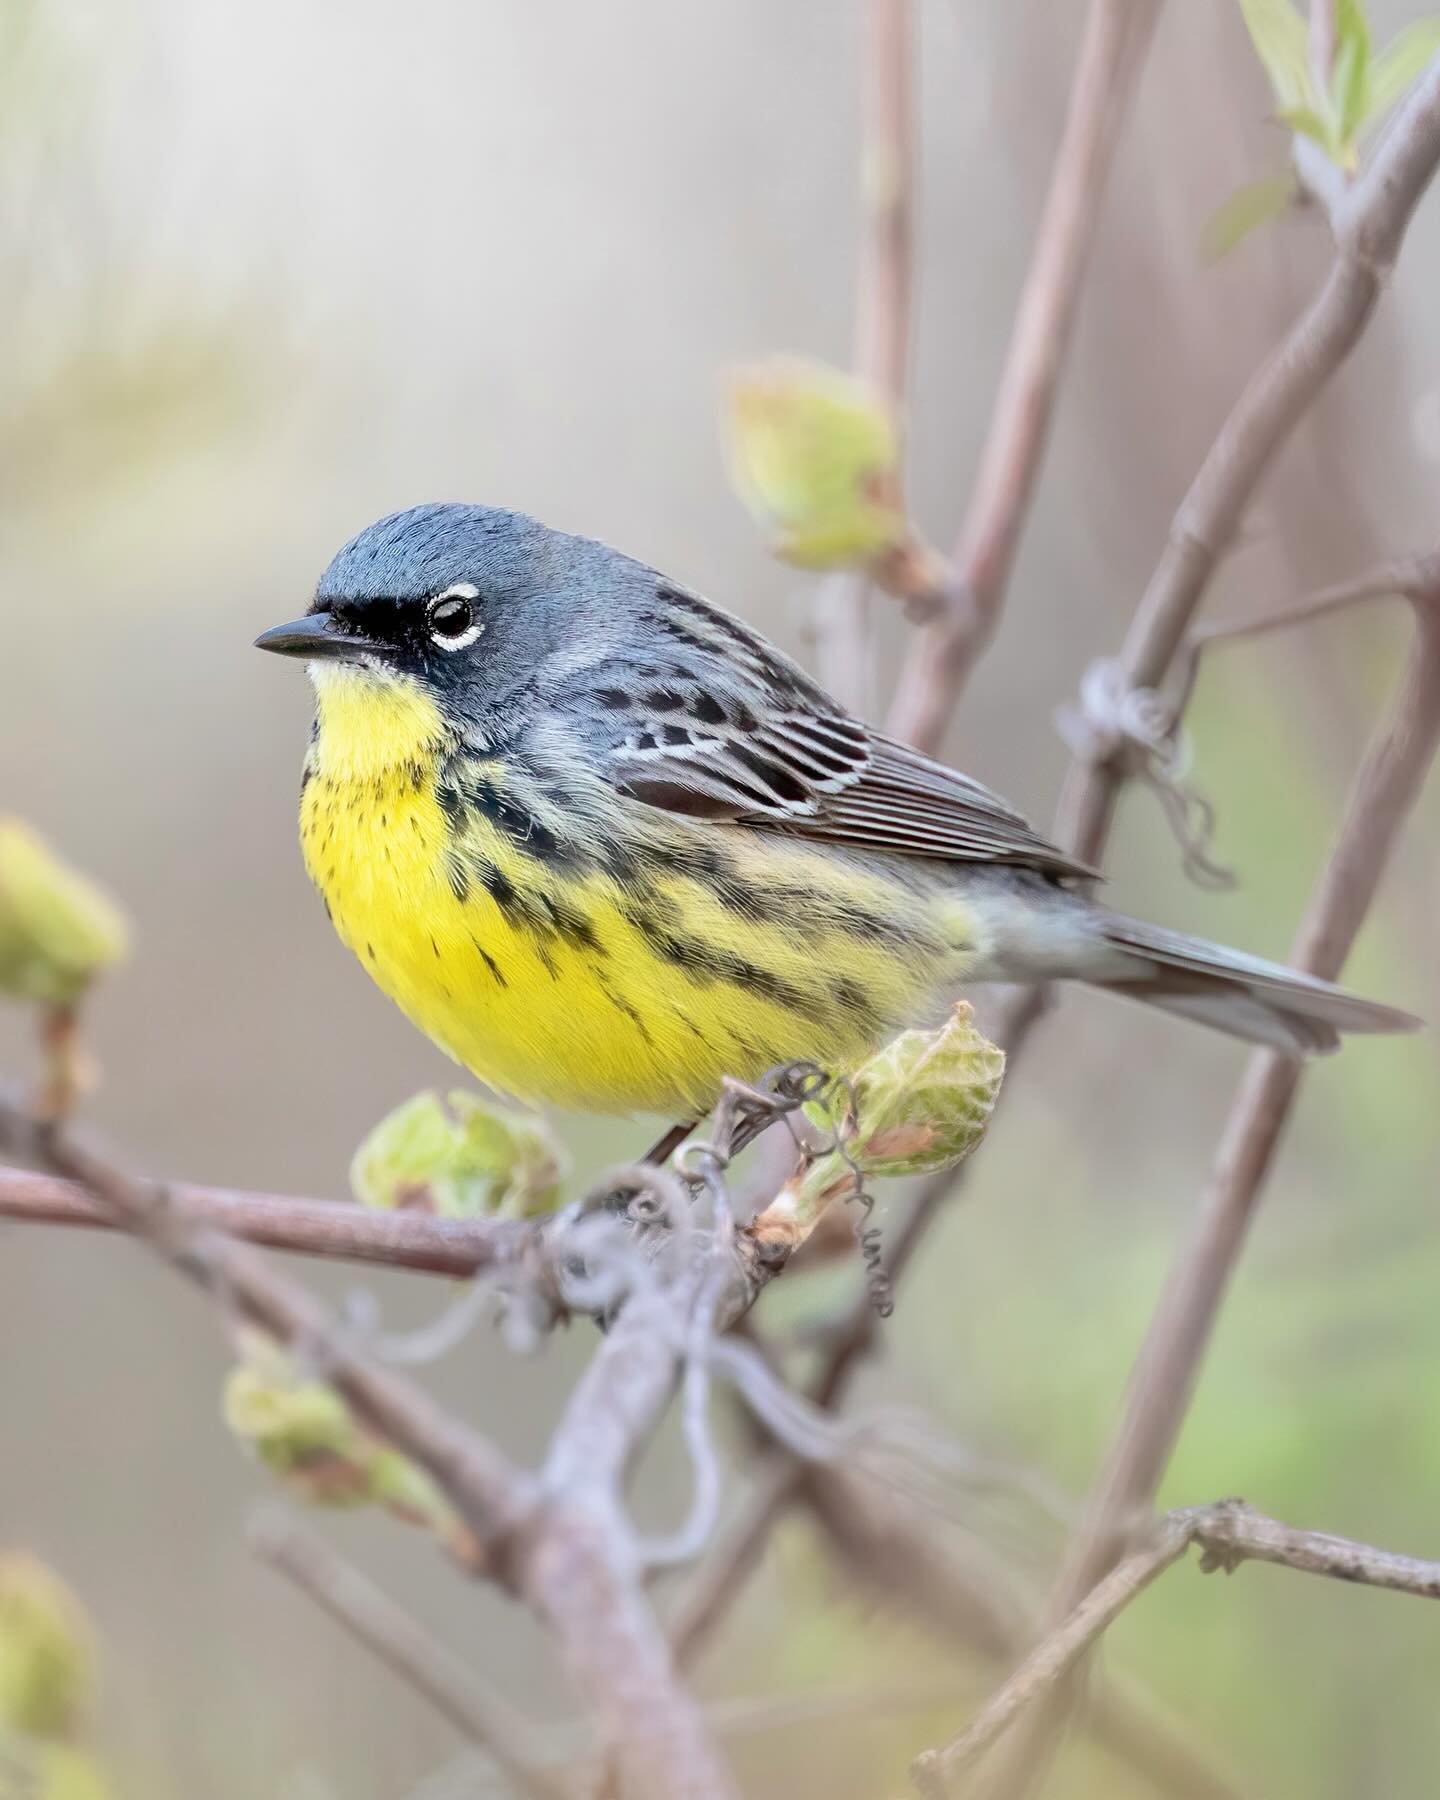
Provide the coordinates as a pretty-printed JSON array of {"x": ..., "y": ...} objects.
[
  {"x": 706, "y": 963},
  {"x": 629, "y": 1011},
  {"x": 519, "y": 824},
  {"x": 572, "y": 925},
  {"x": 456, "y": 876},
  {"x": 498, "y": 885},
  {"x": 490, "y": 963},
  {"x": 852, "y": 998}
]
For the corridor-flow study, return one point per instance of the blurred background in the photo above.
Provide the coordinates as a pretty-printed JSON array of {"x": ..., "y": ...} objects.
[{"x": 270, "y": 271}]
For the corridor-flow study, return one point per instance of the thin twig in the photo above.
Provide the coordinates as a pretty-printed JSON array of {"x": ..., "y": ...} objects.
[
  {"x": 1406, "y": 577},
  {"x": 1052, "y": 1657},
  {"x": 844, "y": 652},
  {"x": 404, "y": 1646},
  {"x": 1227, "y": 1533},
  {"x": 945, "y": 652}
]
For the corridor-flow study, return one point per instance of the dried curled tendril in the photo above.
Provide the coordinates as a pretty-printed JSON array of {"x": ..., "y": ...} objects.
[{"x": 805, "y": 1084}]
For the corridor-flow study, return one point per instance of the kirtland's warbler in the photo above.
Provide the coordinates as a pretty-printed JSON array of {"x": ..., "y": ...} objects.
[{"x": 606, "y": 845}]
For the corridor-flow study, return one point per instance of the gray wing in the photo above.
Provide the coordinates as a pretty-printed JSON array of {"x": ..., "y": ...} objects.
[{"x": 717, "y": 724}]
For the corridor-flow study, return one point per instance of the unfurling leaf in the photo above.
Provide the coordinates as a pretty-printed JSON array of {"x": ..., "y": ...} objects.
[
  {"x": 814, "y": 454},
  {"x": 919, "y": 1105},
  {"x": 1248, "y": 208},
  {"x": 1350, "y": 74},
  {"x": 302, "y": 1429},
  {"x": 46, "y": 1651},
  {"x": 58, "y": 931},
  {"x": 1398, "y": 64},
  {"x": 1278, "y": 33},
  {"x": 924, "y": 1101},
  {"x": 474, "y": 1160},
  {"x": 1306, "y": 122}
]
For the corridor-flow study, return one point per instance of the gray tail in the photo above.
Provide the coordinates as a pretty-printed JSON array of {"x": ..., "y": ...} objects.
[{"x": 1245, "y": 996}]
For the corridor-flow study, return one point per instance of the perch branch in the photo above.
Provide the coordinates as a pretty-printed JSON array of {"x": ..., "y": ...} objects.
[
  {"x": 946, "y": 651},
  {"x": 567, "y": 1555}
]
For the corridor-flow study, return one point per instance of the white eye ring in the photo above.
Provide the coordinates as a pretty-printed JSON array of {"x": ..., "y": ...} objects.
[{"x": 461, "y": 590}]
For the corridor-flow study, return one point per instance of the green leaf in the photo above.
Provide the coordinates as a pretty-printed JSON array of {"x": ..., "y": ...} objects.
[
  {"x": 813, "y": 455},
  {"x": 304, "y": 1431},
  {"x": 1305, "y": 121},
  {"x": 1278, "y": 33},
  {"x": 1248, "y": 207},
  {"x": 472, "y": 1161},
  {"x": 46, "y": 1651},
  {"x": 918, "y": 1105},
  {"x": 1398, "y": 64},
  {"x": 1350, "y": 74},
  {"x": 58, "y": 931}
]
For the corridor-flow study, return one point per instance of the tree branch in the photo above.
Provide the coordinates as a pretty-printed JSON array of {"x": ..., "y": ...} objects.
[
  {"x": 1167, "y": 1366},
  {"x": 338, "y": 1229},
  {"x": 1370, "y": 228},
  {"x": 1227, "y": 1533},
  {"x": 1383, "y": 796},
  {"x": 843, "y": 651},
  {"x": 403, "y": 1645},
  {"x": 944, "y": 654},
  {"x": 487, "y": 1490}
]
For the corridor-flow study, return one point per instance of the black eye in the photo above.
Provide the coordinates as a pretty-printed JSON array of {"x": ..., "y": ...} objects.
[{"x": 451, "y": 617}]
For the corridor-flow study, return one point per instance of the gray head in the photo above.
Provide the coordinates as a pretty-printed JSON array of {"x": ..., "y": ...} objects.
[{"x": 472, "y": 602}]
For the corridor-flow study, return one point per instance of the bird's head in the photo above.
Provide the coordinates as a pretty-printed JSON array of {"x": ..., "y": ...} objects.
[{"x": 460, "y": 606}]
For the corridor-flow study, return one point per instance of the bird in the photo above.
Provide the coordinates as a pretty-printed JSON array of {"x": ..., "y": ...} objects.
[{"x": 607, "y": 846}]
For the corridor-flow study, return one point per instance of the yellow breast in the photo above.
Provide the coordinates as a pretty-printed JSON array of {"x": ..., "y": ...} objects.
[{"x": 631, "y": 985}]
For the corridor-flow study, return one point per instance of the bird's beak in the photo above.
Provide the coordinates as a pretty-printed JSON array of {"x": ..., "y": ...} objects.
[{"x": 318, "y": 637}]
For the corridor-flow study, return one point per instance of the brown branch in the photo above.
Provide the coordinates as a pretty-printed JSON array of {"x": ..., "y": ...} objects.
[
  {"x": 1117, "y": 32},
  {"x": 843, "y": 651},
  {"x": 1370, "y": 227},
  {"x": 719, "y": 1584},
  {"x": 488, "y": 1491},
  {"x": 567, "y": 1555},
  {"x": 331, "y": 1228},
  {"x": 1369, "y": 235},
  {"x": 946, "y": 651},
  {"x": 1167, "y": 1365},
  {"x": 1384, "y": 794},
  {"x": 1406, "y": 577},
  {"x": 907, "y": 1566},
  {"x": 1227, "y": 1534},
  {"x": 404, "y": 1646}
]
